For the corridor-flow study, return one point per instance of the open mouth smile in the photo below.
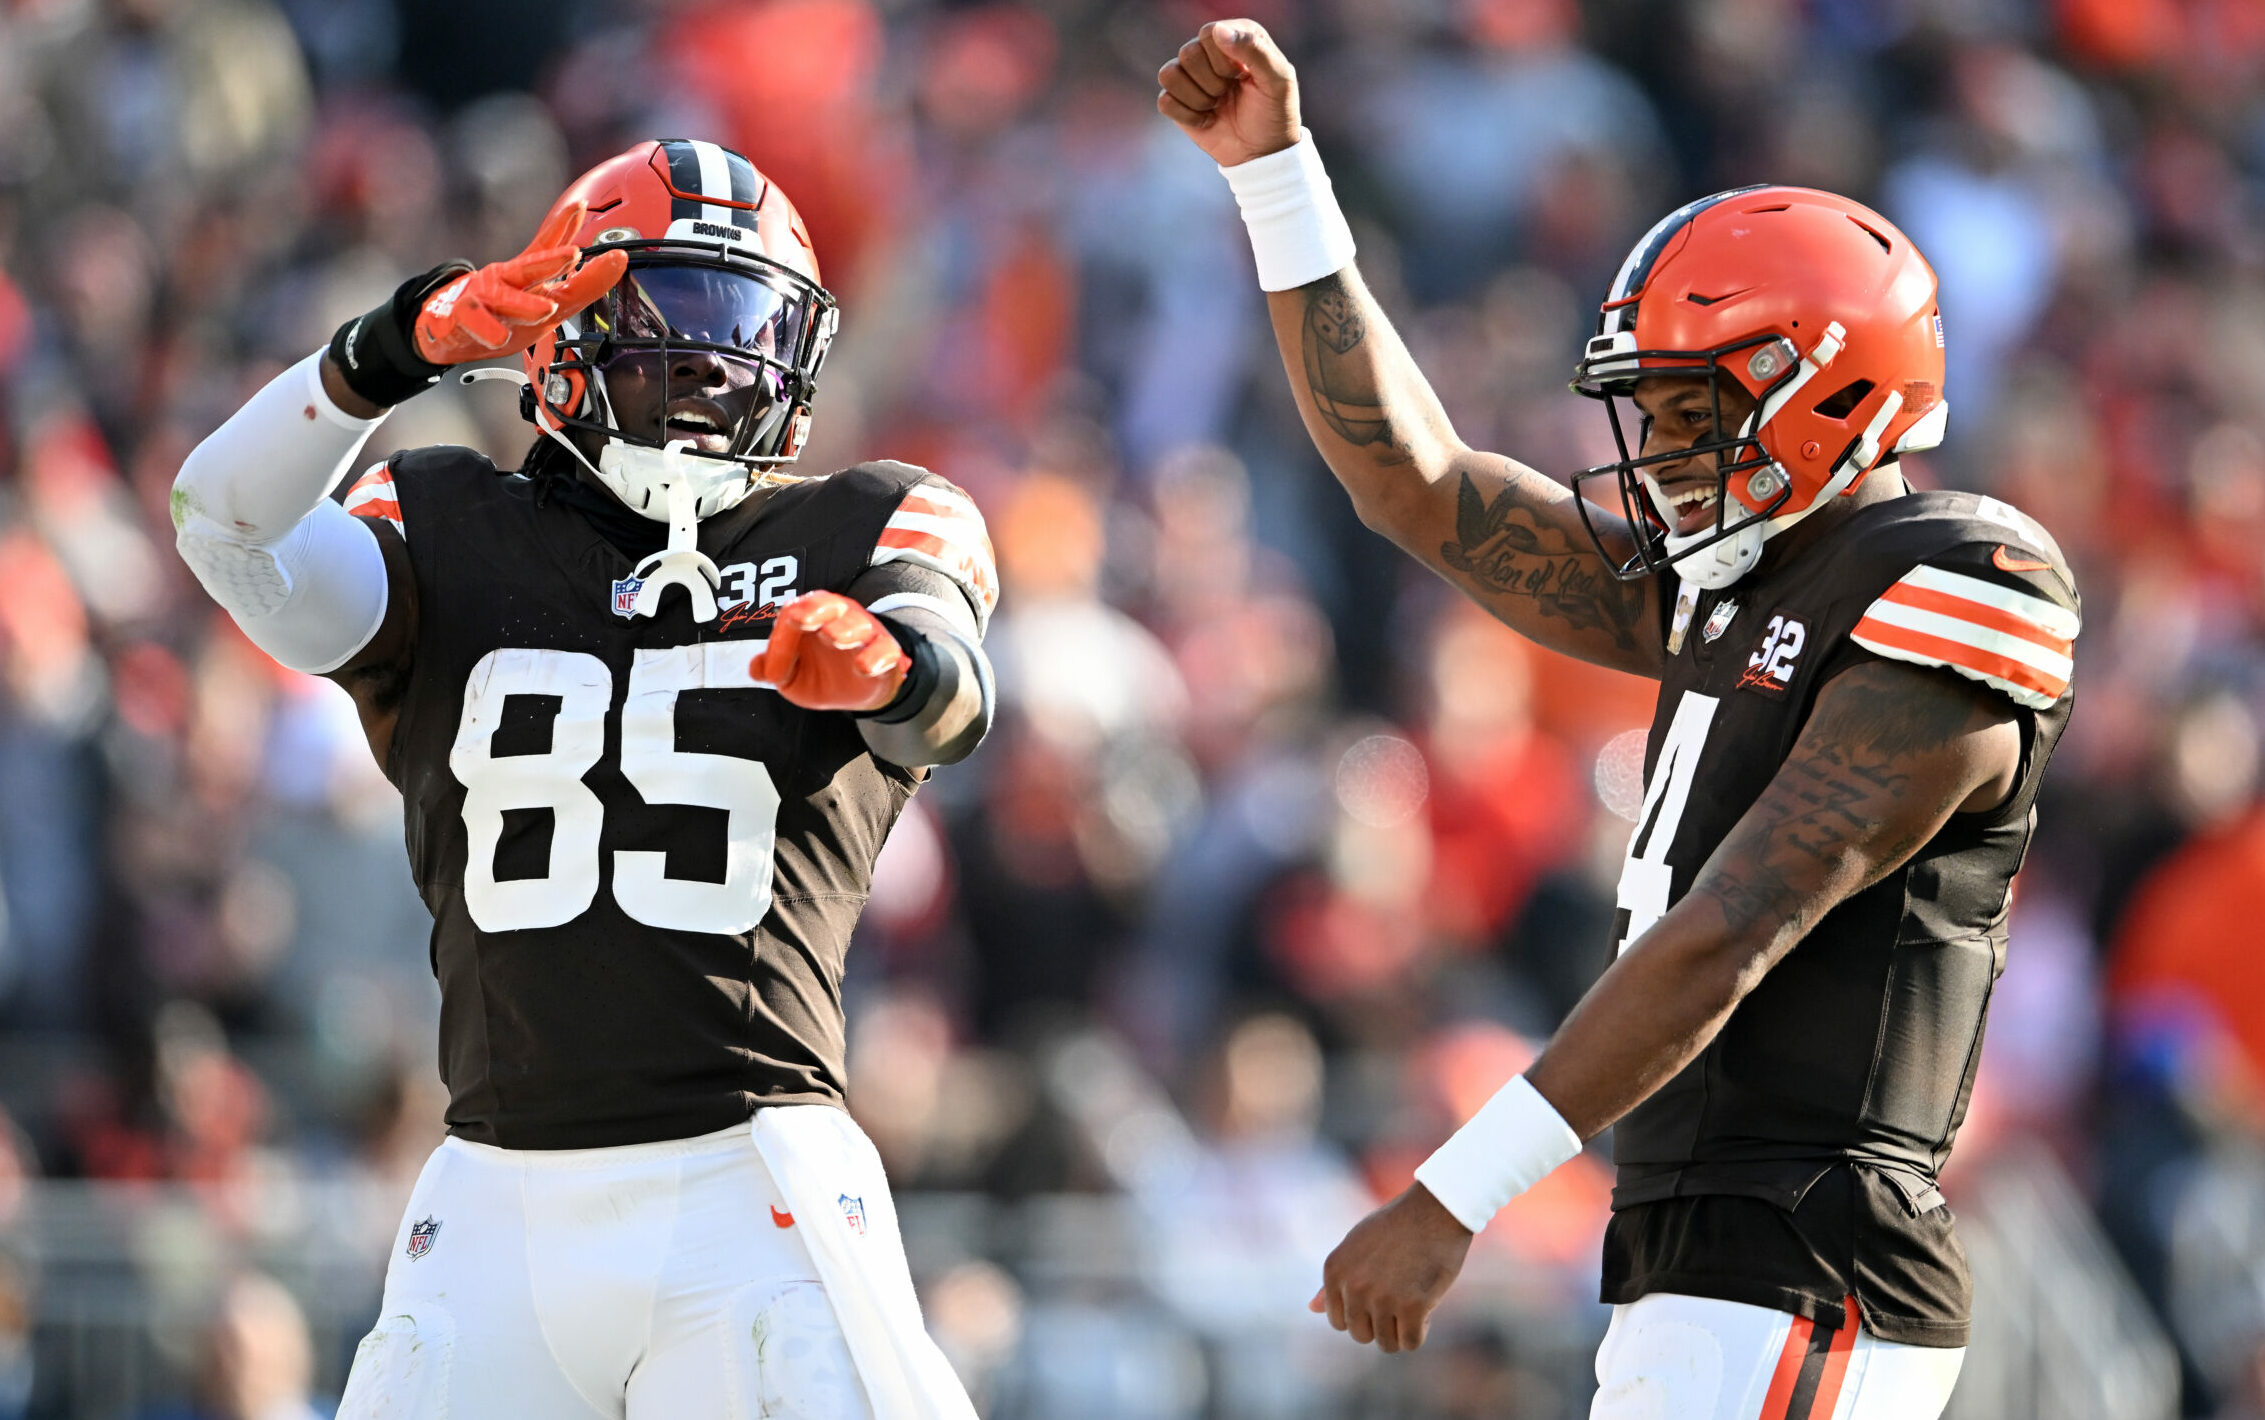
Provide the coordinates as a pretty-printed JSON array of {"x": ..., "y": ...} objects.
[
  {"x": 700, "y": 421},
  {"x": 1693, "y": 505}
]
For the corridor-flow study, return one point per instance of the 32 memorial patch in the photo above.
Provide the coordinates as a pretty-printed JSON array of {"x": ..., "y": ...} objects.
[{"x": 1770, "y": 669}]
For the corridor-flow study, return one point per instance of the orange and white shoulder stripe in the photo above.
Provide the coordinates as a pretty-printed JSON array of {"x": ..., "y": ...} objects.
[
  {"x": 939, "y": 527},
  {"x": 372, "y": 496},
  {"x": 1984, "y": 630}
]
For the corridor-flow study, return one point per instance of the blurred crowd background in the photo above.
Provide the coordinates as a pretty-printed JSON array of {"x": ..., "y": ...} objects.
[{"x": 1279, "y": 859}]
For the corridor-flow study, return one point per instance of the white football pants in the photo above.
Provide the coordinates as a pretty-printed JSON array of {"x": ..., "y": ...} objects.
[
  {"x": 666, "y": 1281},
  {"x": 1670, "y": 1357}
]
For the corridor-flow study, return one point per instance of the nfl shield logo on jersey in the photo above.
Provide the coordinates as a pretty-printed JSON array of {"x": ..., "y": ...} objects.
[
  {"x": 625, "y": 595},
  {"x": 421, "y": 1237},
  {"x": 1719, "y": 621},
  {"x": 853, "y": 1213}
]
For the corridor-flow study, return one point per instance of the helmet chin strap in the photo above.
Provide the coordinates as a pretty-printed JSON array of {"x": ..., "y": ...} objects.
[
  {"x": 681, "y": 563},
  {"x": 1724, "y": 562}
]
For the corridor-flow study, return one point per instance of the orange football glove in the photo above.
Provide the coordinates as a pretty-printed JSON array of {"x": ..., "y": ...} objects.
[
  {"x": 504, "y": 306},
  {"x": 828, "y": 652}
]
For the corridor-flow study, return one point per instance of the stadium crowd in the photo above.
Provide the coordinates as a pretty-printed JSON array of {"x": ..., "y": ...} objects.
[{"x": 1272, "y": 878}]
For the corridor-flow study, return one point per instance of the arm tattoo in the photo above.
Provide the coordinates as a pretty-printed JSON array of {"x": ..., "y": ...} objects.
[
  {"x": 1344, "y": 387},
  {"x": 1509, "y": 547},
  {"x": 1502, "y": 547},
  {"x": 1876, "y": 771}
]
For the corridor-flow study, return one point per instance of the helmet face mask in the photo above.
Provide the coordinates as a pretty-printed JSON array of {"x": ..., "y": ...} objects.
[
  {"x": 759, "y": 329},
  {"x": 1739, "y": 459},
  {"x": 1764, "y": 287}
]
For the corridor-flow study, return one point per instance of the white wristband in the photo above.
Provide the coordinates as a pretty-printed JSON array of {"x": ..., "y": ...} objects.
[
  {"x": 1514, "y": 1140},
  {"x": 1296, "y": 230}
]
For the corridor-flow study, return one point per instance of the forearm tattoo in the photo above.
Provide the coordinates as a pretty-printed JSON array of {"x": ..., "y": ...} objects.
[
  {"x": 1344, "y": 384},
  {"x": 1504, "y": 547},
  {"x": 1875, "y": 772},
  {"x": 1510, "y": 547}
]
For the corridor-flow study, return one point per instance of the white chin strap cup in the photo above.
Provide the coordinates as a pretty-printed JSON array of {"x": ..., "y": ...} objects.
[
  {"x": 1713, "y": 567},
  {"x": 682, "y": 563},
  {"x": 1718, "y": 566},
  {"x": 693, "y": 489}
]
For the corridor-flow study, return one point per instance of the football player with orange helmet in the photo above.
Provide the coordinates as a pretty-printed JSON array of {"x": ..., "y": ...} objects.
[
  {"x": 645, "y": 823},
  {"x": 1861, "y": 685}
]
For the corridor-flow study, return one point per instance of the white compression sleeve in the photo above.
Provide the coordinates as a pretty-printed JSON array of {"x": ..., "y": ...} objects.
[{"x": 253, "y": 519}]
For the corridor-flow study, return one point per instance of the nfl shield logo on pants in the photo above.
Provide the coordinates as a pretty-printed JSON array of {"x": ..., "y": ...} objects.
[
  {"x": 421, "y": 1237},
  {"x": 853, "y": 1212}
]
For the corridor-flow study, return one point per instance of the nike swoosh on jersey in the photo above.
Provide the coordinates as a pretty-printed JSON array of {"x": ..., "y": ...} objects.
[{"x": 2007, "y": 562}]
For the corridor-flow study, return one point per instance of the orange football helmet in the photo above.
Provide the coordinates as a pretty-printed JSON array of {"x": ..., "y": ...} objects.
[
  {"x": 719, "y": 261},
  {"x": 1816, "y": 306}
]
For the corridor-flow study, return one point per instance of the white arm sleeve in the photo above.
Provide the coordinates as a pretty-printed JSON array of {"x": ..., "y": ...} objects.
[{"x": 253, "y": 519}]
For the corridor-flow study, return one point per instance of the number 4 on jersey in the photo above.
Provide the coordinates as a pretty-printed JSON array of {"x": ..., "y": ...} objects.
[{"x": 1646, "y": 880}]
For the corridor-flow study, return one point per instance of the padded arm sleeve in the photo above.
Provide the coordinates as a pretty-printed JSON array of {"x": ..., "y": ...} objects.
[
  {"x": 948, "y": 701},
  {"x": 253, "y": 519}
]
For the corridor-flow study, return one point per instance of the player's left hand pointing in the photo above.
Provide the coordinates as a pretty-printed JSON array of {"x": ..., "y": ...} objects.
[
  {"x": 1386, "y": 1278},
  {"x": 827, "y": 652}
]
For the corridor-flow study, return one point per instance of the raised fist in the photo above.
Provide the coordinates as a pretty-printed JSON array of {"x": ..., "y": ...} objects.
[{"x": 1232, "y": 92}]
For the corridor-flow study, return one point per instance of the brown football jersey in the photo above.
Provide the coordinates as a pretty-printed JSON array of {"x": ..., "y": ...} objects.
[
  {"x": 1794, "y": 1162},
  {"x": 643, "y": 867}
]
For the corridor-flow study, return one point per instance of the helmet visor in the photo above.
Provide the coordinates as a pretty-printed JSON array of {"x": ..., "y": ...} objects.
[{"x": 722, "y": 308}]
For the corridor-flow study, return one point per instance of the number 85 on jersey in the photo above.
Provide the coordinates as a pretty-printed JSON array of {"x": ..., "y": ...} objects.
[{"x": 583, "y": 687}]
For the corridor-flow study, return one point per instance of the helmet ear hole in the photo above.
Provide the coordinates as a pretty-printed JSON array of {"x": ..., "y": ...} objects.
[{"x": 1842, "y": 402}]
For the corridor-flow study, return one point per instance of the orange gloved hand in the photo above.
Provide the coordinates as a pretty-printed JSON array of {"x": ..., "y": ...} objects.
[
  {"x": 504, "y": 306},
  {"x": 828, "y": 652}
]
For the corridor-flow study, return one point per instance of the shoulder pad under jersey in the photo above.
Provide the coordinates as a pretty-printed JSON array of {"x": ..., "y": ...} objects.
[
  {"x": 933, "y": 524},
  {"x": 435, "y": 475}
]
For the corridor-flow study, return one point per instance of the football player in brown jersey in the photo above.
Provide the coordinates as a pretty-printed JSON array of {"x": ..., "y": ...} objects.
[
  {"x": 1860, "y": 687},
  {"x": 653, "y": 703}
]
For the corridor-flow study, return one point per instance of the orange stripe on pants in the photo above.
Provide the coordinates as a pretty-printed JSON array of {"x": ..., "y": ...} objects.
[
  {"x": 1806, "y": 1384},
  {"x": 1788, "y": 1371}
]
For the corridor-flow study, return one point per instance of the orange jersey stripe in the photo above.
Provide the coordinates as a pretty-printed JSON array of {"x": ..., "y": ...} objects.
[
  {"x": 376, "y": 507},
  {"x": 977, "y": 560},
  {"x": 1957, "y": 653},
  {"x": 965, "y": 562},
  {"x": 914, "y": 503},
  {"x": 962, "y": 525},
  {"x": 1976, "y": 612}
]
